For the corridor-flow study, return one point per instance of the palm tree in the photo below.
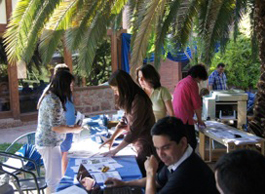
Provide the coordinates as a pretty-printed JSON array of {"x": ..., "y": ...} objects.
[{"x": 84, "y": 23}]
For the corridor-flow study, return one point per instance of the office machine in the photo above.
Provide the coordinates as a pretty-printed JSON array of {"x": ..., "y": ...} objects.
[{"x": 226, "y": 105}]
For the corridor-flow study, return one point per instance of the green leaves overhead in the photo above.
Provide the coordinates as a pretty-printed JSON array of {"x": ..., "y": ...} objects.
[
  {"x": 27, "y": 22},
  {"x": 83, "y": 24},
  {"x": 153, "y": 11}
]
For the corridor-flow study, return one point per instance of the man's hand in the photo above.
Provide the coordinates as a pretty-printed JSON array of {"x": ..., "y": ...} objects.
[
  {"x": 151, "y": 165},
  {"x": 113, "y": 182},
  {"x": 88, "y": 183},
  {"x": 201, "y": 123}
]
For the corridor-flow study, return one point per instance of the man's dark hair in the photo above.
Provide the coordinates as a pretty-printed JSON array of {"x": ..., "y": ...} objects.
[
  {"x": 241, "y": 172},
  {"x": 150, "y": 74},
  {"x": 220, "y": 65},
  {"x": 171, "y": 127},
  {"x": 198, "y": 71}
]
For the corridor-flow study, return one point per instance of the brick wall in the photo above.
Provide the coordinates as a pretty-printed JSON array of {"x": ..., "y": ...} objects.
[
  {"x": 94, "y": 100},
  {"x": 170, "y": 73}
]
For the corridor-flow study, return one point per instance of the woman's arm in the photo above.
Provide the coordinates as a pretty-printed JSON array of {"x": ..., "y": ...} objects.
[
  {"x": 113, "y": 152},
  {"x": 169, "y": 108},
  {"x": 67, "y": 129},
  {"x": 119, "y": 128}
]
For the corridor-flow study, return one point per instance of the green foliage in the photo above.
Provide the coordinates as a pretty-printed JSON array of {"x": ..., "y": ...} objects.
[
  {"x": 101, "y": 66},
  {"x": 242, "y": 70}
]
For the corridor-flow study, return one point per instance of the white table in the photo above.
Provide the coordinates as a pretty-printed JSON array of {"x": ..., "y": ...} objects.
[{"x": 227, "y": 136}]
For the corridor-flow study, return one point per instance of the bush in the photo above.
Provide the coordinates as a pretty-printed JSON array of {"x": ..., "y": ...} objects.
[{"x": 242, "y": 70}]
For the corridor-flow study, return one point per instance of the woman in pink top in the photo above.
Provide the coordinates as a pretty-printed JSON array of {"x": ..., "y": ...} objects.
[{"x": 187, "y": 101}]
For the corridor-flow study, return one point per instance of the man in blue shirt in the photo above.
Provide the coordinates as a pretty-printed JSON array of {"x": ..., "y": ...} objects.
[{"x": 217, "y": 79}]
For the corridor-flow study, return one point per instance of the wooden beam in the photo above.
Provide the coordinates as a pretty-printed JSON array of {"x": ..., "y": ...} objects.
[
  {"x": 8, "y": 9},
  {"x": 119, "y": 45},
  {"x": 2, "y": 28},
  {"x": 13, "y": 90},
  {"x": 68, "y": 57},
  {"x": 114, "y": 54}
]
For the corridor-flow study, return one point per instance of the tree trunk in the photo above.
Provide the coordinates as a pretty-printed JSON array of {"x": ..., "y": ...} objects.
[{"x": 257, "y": 125}]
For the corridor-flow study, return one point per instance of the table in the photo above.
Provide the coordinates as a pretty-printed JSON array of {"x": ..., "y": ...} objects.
[
  {"x": 129, "y": 171},
  {"x": 89, "y": 142},
  {"x": 227, "y": 136}
]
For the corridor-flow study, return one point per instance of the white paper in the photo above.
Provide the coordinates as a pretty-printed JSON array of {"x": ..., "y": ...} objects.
[
  {"x": 79, "y": 116},
  {"x": 73, "y": 189},
  {"x": 102, "y": 177},
  {"x": 79, "y": 161},
  {"x": 75, "y": 168}
]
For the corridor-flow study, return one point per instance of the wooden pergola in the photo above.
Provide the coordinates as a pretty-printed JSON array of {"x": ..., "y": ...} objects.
[{"x": 12, "y": 67}]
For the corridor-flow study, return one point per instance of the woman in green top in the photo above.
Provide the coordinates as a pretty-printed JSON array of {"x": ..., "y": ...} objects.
[{"x": 149, "y": 79}]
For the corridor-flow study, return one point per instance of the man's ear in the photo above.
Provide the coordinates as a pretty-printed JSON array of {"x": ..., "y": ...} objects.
[{"x": 184, "y": 142}]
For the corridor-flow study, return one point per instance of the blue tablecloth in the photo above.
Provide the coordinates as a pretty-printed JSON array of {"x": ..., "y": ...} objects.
[{"x": 129, "y": 171}]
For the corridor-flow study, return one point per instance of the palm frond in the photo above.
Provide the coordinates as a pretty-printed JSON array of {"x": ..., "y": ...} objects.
[
  {"x": 254, "y": 43},
  {"x": 162, "y": 31},
  {"x": 240, "y": 9},
  {"x": 221, "y": 15},
  {"x": 49, "y": 43},
  {"x": 141, "y": 41},
  {"x": 118, "y": 6},
  {"x": 17, "y": 29},
  {"x": 54, "y": 29},
  {"x": 185, "y": 19},
  {"x": 37, "y": 27},
  {"x": 27, "y": 26},
  {"x": 92, "y": 39},
  {"x": 83, "y": 20},
  {"x": 139, "y": 11},
  {"x": 205, "y": 8},
  {"x": 62, "y": 17}
]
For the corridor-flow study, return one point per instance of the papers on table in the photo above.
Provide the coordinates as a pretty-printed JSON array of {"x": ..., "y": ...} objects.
[
  {"x": 102, "y": 177},
  {"x": 94, "y": 166},
  {"x": 72, "y": 189},
  {"x": 79, "y": 118},
  {"x": 229, "y": 134}
]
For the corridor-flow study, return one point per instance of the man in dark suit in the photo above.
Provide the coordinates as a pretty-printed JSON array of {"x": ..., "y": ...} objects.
[{"x": 184, "y": 171}]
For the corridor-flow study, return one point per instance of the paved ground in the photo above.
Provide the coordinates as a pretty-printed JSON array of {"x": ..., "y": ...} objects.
[{"x": 8, "y": 135}]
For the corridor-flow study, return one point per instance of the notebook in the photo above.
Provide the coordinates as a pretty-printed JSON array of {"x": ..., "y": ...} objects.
[{"x": 93, "y": 188}]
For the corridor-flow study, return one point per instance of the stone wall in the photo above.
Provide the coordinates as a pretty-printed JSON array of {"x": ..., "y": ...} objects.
[{"x": 94, "y": 100}]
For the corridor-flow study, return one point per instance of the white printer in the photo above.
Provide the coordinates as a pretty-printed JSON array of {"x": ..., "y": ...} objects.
[{"x": 226, "y": 105}]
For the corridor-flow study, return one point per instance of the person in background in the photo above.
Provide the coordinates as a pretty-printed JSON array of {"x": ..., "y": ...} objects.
[
  {"x": 187, "y": 101},
  {"x": 149, "y": 79},
  {"x": 51, "y": 128},
  {"x": 217, "y": 79},
  {"x": 69, "y": 115},
  {"x": 240, "y": 172},
  {"x": 26, "y": 89},
  {"x": 137, "y": 121},
  {"x": 184, "y": 171}
]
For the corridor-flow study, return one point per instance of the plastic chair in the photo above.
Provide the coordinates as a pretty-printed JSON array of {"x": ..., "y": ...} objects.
[
  {"x": 28, "y": 150},
  {"x": 24, "y": 184},
  {"x": 30, "y": 136},
  {"x": 18, "y": 162}
]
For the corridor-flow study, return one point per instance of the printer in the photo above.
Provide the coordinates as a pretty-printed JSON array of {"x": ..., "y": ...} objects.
[{"x": 226, "y": 105}]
